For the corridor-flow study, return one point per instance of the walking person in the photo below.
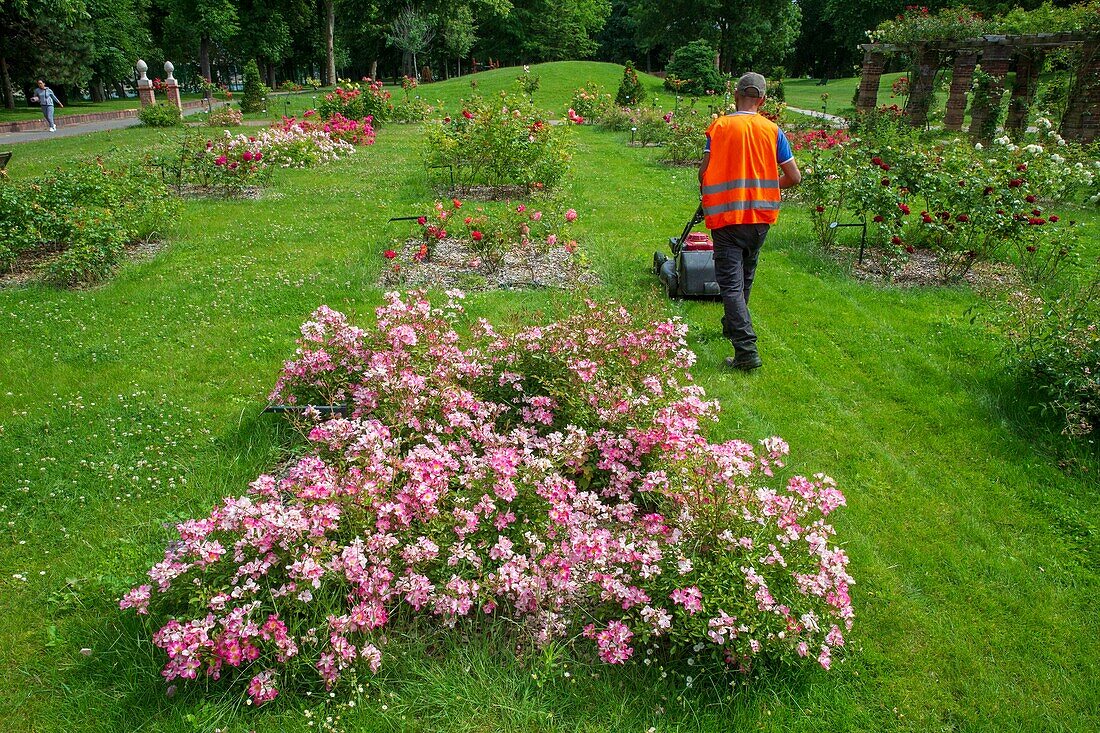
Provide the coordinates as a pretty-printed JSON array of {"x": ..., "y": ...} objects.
[
  {"x": 746, "y": 161},
  {"x": 46, "y": 98}
]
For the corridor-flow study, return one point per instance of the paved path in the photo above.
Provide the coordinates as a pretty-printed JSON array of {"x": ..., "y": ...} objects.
[
  {"x": 63, "y": 130},
  {"x": 833, "y": 120}
]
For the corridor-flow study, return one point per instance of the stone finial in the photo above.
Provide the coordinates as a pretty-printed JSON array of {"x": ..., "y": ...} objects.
[
  {"x": 169, "y": 67},
  {"x": 141, "y": 67}
]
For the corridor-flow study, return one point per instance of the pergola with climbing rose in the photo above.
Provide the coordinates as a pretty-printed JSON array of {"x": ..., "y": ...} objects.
[{"x": 996, "y": 54}]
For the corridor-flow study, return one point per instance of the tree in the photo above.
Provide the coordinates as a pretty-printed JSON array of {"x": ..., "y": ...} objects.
[
  {"x": 118, "y": 34},
  {"x": 412, "y": 31},
  {"x": 693, "y": 65},
  {"x": 553, "y": 30},
  {"x": 201, "y": 23},
  {"x": 746, "y": 33},
  {"x": 459, "y": 33},
  {"x": 33, "y": 33}
]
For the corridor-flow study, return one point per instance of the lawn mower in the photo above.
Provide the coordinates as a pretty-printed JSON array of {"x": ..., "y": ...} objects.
[{"x": 689, "y": 273}]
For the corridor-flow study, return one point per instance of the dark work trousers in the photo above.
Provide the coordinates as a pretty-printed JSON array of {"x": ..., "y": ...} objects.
[{"x": 736, "y": 249}]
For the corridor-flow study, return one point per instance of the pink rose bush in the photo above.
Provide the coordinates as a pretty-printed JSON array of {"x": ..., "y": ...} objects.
[
  {"x": 556, "y": 476},
  {"x": 338, "y": 127}
]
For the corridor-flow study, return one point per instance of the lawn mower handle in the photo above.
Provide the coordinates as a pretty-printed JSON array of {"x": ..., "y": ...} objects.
[{"x": 695, "y": 219}]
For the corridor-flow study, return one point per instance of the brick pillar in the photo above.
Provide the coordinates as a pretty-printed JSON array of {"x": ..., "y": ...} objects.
[
  {"x": 995, "y": 61},
  {"x": 1027, "y": 78},
  {"x": 173, "y": 87},
  {"x": 961, "y": 77},
  {"x": 874, "y": 63},
  {"x": 144, "y": 85},
  {"x": 1081, "y": 122},
  {"x": 921, "y": 79}
]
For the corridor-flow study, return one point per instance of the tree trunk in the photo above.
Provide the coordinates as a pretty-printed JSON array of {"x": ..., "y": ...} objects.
[
  {"x": 270, "y": 69},
  {"x": 5, "y": 81},
  {"x": 204, "y": 61},
  {"x": 97, "y": 90},
  {"x": 374, "y": 69},
  {"x": 330, "y": 40},
  {"x": 120, "y": 90},
  {"x": 459, "y": 66}
]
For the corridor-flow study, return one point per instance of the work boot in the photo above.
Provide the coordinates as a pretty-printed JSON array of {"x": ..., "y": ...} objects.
[{"x": 745, "y": 361}]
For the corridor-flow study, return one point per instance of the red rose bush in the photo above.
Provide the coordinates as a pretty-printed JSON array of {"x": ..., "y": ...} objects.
[{"x": 556, "y": 477}]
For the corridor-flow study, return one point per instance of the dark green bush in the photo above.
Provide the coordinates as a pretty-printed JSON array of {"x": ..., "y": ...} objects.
[
  {"x": 692, "y": 69},
  {"x": 164, "y": 114},
  {"x": 254, "y": 98},
  {"x": 631, "y": 92}
]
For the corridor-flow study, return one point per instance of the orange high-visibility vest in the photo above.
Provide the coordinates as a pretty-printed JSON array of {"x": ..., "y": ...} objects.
[{"x": 741, "y": 183}]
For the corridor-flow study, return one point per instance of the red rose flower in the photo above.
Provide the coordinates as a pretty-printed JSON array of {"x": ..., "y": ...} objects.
[
  {"x": 476, "y": 235},
  {"x": 910, "y": 249},
  {"x": 421, "y": 220},
  {"x": 885, "y": 181},
  {"x": 963, "y": 218},
  {"x": 988, "y": 191},
  {"x": 819, "y": 208},
  {"x": 1036, "y": 212},
  {"x": 1030, "y": 248},
  {"x": 1016, "y": 183},
  {"x": 877, "y": 161},
  {"x": 1053, "y": 218},
  {"x": 878, "y": 219},
  {"x": 466, "y": 113},
  {"x": 1022, "y": 167},
  {"x": 896, "y": 240},
  {"x": 389, "y": 254},
  {"x": 456, "y": 203},
  {"x": 904, "y": 208},
  {"x": 1029, "y": 198},
  {"x": 1036, "y": 221}
]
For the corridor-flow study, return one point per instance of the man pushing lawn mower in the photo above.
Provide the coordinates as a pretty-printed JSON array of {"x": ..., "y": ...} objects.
[{"x": 747, "y": 160}]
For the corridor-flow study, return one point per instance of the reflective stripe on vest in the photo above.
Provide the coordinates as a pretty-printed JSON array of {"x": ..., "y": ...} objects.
[
  {"x": 745, "y": 205},
  {"x": 741, "y": 182}
]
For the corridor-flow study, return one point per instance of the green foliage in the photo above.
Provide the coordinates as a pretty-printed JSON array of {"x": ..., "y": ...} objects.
[
  {"x": 227, "y": 116},
  {"x": 987, "y": 93},
  {"x": 552, "y": 30},
  {"x": 1056, "y": 344},
  {"x": 357, "y": 101},
  {"x": 503, "y": 141},
  {"x": 162, "y": 114},
  {"x": 589, "y": 103},
  {"x": 691, "y": 70},
  {"x": 647, "y": 126},
  {"x": 685, "y": 139},
  {"x": 212, "y": 166},
  {"x": 631, "y": 92},
  {"x": 528, "y": 83},
  {"x": 87, "y": 214},
  {"x": 918, "y": 23},
  {"x": 255, "y": 93}
]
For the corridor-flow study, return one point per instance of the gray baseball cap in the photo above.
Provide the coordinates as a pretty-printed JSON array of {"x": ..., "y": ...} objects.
[{"x": 752, "y": 85}]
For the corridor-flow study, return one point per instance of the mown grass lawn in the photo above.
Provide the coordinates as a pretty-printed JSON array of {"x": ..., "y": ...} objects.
[{"x": 137, "y": 403}]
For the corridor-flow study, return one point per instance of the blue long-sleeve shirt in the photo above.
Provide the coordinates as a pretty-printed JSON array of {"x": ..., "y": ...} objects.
[{"x": 46, "y": 97}]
